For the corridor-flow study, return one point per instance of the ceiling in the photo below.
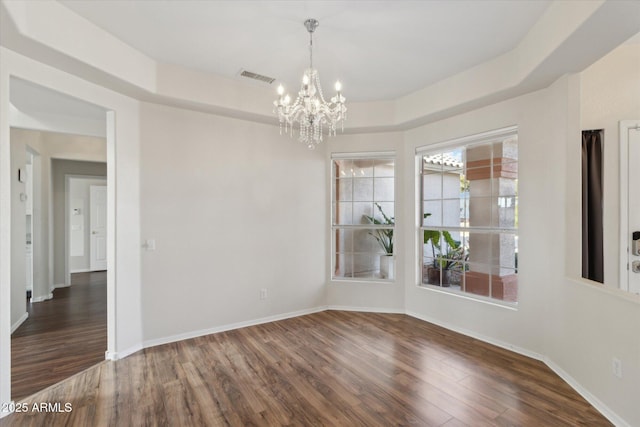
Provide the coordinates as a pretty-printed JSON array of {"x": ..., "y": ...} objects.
[
  {"x": 33, "y": 99},
  {"x": 379, "y": 50}
]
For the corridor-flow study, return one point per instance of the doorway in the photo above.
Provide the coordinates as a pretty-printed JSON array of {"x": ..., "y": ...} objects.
[
  {"x": 55, "y": 139},
  {"x": 85, "y": 223}
]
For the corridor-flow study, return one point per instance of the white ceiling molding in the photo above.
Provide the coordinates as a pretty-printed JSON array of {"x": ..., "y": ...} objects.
[{"x": 566, "y": 38}]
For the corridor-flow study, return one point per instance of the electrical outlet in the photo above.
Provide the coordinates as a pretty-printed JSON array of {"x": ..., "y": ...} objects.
[
  {"x": 263, "y": 293},
  {"x": 616, "y": 367}
]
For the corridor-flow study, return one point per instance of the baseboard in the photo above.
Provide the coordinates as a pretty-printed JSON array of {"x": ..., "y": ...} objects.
[
  {"x": 40, "y": 299},
  {"x": 80, "y": 270},
  {"x": 597, "y": 403},
  {"x": 229, "y": 327},
  {"x": 60, "y": 285},
  {"x": 117, "y": 355},
  {"x": 19, "y": 322},
  {"x": 483, "y": 338},
  {"x": 366, "y": 309},
  {"x": 594, "y": 401}
]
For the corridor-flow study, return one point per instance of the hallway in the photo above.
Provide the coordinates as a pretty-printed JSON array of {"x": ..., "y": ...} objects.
[{"x": 62, "y": 336}]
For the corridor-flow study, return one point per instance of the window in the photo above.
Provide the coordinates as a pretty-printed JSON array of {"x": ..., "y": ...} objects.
[
  {"x": 363, "y": 217},
  {"x": 469, "y": 215}
]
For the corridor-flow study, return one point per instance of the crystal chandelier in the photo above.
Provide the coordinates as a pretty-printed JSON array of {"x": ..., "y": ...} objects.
[{"x": 310, "y": 109}]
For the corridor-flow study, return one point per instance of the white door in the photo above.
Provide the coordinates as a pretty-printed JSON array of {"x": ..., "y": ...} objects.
[
  {"x": 98, "y": 226},
  {"x": 630, "y": 186}
]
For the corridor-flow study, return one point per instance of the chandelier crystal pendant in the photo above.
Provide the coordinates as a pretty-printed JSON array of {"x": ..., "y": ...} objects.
[{"x": 310, "y": 109}]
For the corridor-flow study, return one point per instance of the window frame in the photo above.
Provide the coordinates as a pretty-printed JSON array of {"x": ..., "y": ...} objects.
[{"x": 335, "y": 227}]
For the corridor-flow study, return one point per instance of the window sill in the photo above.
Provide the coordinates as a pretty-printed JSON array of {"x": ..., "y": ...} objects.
[
  {"x": 599, "y": 287},
  {"x": 472, "y": 297},
  {"x": 363, "y": 280}
]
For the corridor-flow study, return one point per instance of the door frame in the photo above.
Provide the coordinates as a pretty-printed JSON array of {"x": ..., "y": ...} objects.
[
  {"x": 18, "y": 67},
  {"x": 624, "y": 255},
  {"x": 67, "y": 225},
  {"x": 93, "y": 239}
]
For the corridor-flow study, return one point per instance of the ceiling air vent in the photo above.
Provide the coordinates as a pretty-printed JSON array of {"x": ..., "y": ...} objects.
[{"x": 258, "y": 77}]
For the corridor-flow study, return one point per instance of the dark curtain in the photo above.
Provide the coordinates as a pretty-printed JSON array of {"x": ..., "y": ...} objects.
[{"x": 592, "y": 231}]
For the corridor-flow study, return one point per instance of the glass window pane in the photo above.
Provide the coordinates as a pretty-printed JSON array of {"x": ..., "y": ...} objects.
[
  {"x": 343, "y": 241},
  {"x": 388, "y": 210},
  {"x": 505, "y": 215},
  {"x": 480, "y": 211},
  {"x": 364, "y": 266},
  {"x": 510, "y": 148},
  {"x": 451, "y": 213},
  {"x": 342, "y": 168},
  {"x": 364, "y": 241},
  {"x": 383, "y": 189},
  {"x": 479, "y": 152},
  {"x": 463, "y": 276},
  {"x": 343, "y": 265},
  {"x": 343, "y": 213},
  {"x": 362, "y": 210},
  {"x": 505, "y": 252},
  {"x": 384, "y": 168},
  {"x": 479, "y": 187},
  {"x": 477, "y": 279},
  {"x": 432, "y": 163},
  {"x": 451, "y": 184},
  {"x": 479, "y": 171},
  {"x": 479, "y": 249},
  {"x": 464, "y": 212},
  {"x": 431, "y": 274},
  {"x": 505, "y": 187},
  {"x": 433, "y": 212},
  {"x": 344, "y": 189},
  {"x": 363, "y": 189},
  {"x": 362, "y": 168},
  {"x": 504, "y": 285},
  {"x": 432, "y": 186}
]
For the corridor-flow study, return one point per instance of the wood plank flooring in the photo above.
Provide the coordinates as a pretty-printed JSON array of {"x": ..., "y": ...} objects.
[
  {"x": 62, "y": 336},
  {"x": 331, "y": 368}
]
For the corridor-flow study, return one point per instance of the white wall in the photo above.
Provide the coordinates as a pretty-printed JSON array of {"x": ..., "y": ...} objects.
[
  {"x": 593, "y": 322},
  {"x": 233, "y": 207}
]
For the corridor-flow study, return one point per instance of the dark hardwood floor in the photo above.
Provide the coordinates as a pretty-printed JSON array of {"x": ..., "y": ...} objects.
[
  {"x": 330, "y": 368},
  {"x": 62, "y": 336}
]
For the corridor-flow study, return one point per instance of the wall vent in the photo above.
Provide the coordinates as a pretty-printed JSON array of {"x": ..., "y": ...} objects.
[{"x": 256, "y": 76}]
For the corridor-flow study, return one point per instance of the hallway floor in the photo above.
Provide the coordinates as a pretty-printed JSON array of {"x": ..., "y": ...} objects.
[{"x": 62, "y": 336}]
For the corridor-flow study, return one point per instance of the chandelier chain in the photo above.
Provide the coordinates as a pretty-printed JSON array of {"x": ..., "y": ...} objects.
[{"x": 310, "y": 49}]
